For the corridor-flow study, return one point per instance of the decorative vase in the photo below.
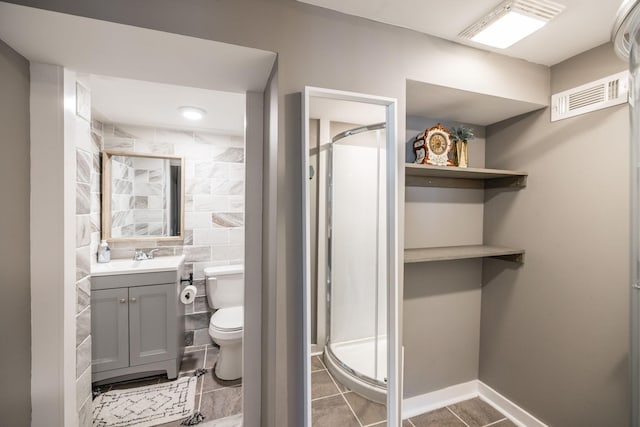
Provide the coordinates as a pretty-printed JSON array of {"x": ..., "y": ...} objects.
[{"x": 463, "y": 156}]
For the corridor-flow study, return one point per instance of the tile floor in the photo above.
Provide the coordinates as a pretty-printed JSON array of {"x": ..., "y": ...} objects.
[
  {"x": 470, "y": 413},
  {"x": 215, "y": 400},
  {"x": 332, "y": 405}
]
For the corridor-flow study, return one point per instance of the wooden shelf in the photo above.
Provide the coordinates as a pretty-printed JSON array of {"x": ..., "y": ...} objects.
[
  {"x": 417, "y": 175},
  {"x": 449, "y": 253}
]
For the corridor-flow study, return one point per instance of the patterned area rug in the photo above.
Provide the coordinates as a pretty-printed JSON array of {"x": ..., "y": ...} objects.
[{"x": 146, "y": 406}]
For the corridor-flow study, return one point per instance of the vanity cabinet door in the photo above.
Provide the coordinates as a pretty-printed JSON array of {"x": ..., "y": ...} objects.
[
  {"x": 109, "y": 329},
  {"x": 153, "y": 323}
]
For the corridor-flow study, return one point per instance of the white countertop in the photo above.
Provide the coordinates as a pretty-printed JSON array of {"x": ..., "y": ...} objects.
[{"x": 128, "y": 266}]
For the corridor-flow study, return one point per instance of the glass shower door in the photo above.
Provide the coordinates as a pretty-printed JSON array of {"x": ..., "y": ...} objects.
[{"x": 357, "y": 276}]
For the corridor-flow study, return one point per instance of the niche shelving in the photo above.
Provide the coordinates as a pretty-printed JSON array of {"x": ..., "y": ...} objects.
[
  {"x": 462, "y": 106},
  {"x": 440, "y": 176},
  {"x": 417, "y": 175}
]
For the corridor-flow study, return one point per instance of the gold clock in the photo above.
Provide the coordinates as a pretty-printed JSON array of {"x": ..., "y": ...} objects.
[
  {"x": 438, "y": 144},
  {"x": 435, "y": 147}
]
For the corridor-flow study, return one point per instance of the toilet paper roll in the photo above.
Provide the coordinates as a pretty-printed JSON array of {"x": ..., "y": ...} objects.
[{"x": 188, "y": 294}]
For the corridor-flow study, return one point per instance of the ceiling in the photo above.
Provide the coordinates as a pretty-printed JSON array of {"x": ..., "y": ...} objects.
[
  {"x": 151, "y": 73},
  {"x": 130, "y": 55},
  {"x": 105, "y": 48},
  {"x": 584, "y": 24},
  {"x": 115, "y": 100}
]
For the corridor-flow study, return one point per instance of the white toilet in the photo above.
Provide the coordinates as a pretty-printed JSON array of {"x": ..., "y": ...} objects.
[{"x": 225, "y": 293}]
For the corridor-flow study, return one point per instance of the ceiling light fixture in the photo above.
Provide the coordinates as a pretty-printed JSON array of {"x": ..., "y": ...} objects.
[
  {"x": 511, "y": 21},
  {"x": 192, "y": 113}
]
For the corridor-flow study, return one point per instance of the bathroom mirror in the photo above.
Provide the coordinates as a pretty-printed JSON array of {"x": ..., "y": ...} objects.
[
  {"x": 142, "y": 196},
  {"x": 351, "y": 261}
]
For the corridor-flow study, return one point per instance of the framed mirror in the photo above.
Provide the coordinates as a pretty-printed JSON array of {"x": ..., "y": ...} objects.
[
  {"x": 352, "y": 357},
  {"x": 142, "y": 196}
]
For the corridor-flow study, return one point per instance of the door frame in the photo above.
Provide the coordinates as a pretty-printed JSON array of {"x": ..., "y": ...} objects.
[
  {"x": 394, "y": 383},
  {"x": 53, "y": 298}
]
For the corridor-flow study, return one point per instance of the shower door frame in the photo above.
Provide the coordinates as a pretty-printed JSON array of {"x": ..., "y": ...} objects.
[
  {"x": 394, "y": 383},
  {"x": 371, "y": 381},
  {"x": 627, "y": 24}
]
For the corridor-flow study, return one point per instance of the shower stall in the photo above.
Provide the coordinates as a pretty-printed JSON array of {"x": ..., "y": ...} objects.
[
  {"x": 626, "y": 39},
  {"x": 355, "y": 347}
]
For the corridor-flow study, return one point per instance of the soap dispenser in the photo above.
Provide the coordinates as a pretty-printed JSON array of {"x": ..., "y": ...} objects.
[{"x": 104, "y": 252}]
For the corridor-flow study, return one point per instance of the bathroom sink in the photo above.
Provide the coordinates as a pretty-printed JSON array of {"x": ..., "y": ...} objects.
[{"x": 129, "y": 266}]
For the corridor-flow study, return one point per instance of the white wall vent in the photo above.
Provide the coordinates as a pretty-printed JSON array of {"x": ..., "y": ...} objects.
[{"x": 599, "y": 94}]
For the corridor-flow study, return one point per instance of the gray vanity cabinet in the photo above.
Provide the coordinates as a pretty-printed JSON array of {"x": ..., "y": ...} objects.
[
  {"x": 152, "y": 324},
  {"x": 136, "y": 329},
  {"x": 109, "y": 329}
]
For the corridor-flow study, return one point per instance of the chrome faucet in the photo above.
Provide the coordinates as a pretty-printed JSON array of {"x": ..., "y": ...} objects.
[{"x": 141, "y": 255}]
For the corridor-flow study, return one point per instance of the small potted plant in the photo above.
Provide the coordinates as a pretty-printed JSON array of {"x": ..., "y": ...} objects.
[{"x": 461, "y": 135}]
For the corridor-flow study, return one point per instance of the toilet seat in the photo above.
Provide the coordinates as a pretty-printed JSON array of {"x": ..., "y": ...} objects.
[
  {"x": 229, "y": 319},
  {"x": 227, "y": 324}
]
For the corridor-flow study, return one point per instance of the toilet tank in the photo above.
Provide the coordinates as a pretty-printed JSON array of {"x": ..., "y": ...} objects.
[{"x": 225, "y": 286}]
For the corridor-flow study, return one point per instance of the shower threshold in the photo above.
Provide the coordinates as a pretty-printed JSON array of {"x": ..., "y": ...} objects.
[{"x": 354, "y": 364}]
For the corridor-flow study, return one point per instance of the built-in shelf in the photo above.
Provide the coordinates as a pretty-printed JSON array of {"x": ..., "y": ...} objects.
[
  {"x": 449, "y": 253},
  {"x": 417, "y": 175}
]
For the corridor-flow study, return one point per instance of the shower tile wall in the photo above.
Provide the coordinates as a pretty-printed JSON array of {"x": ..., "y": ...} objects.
[
  {"x": 88, "y": 144},
  {"x": 214, "y": 204}
]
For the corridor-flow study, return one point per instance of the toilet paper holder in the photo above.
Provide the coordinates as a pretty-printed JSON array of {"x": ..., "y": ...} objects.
[{"x": 189, "y": 280}]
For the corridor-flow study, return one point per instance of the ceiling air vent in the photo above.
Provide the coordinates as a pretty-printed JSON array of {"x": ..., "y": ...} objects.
[{"x": 599, "y": 94}]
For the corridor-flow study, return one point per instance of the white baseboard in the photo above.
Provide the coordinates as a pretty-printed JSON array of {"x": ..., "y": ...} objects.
[
  {"x": 457, "y": 393},
  {"x": 518, "y": 415},
  {"x": 437, "y": 399}
]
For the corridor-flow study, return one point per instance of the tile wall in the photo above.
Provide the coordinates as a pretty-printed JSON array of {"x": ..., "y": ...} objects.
[
  {"x": 214, "y": 204},
  {"x": 122, "y": 223},
  {"x": 87, "y": 238}
]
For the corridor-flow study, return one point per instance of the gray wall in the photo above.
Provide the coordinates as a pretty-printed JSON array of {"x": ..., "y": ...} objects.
[
  {"x": 253, "y": 349},
  {"x": 441, "y": 324},
  {"x": 15, "y": 319},
  {"x": 554, "y": 332},
  {"x": 320, "y": 48},
  {"x": 269, "y": 274}
]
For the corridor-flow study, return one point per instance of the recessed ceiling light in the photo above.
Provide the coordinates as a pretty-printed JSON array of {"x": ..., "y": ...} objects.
[
  {"x": 192, "y": 113},
  {"x": 511, "y": 21}
]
